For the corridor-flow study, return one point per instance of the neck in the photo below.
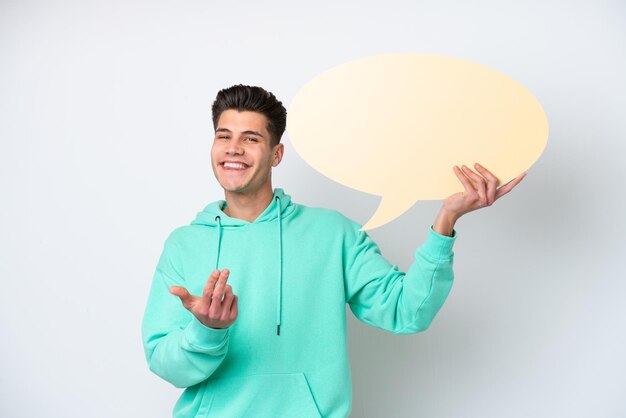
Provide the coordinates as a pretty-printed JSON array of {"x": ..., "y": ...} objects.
[{"x": 248, "y": 206}]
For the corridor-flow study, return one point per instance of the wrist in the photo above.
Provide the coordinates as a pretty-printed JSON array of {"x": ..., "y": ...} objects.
[{"x": 444, "y": 222}]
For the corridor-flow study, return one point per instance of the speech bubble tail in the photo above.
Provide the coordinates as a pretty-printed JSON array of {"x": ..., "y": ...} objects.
[{"x": 388, "y": 210}]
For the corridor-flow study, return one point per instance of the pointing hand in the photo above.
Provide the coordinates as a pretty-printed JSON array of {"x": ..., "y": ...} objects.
[{"x": 217, "y": 307}]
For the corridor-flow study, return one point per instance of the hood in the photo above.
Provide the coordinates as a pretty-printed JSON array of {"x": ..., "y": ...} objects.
[
  {"x": 212, "y": 211},
  {"x": 213, "y": 215}
]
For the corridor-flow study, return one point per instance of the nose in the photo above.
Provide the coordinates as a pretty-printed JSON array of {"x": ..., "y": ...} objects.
[{"x": 234, "y": 147}]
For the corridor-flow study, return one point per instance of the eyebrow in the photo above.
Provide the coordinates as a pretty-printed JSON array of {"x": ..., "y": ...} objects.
[{"x": 244, "y": 132}]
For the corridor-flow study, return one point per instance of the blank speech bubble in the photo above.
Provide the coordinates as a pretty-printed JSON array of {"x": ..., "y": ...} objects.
[{"x": 394, "y": 125}]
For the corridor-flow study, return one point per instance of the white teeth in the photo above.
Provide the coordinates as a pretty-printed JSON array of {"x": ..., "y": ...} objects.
[{"x": 235, "y": 165}]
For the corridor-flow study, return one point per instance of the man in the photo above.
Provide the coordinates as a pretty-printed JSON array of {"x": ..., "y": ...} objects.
[{"x": 265, "y": 335}]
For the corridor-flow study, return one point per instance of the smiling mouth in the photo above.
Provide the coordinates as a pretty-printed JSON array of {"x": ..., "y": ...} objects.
[{"x": 234, "y": 166}]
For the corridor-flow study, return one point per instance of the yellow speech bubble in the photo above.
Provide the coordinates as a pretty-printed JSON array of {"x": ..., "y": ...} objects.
[{"x": 394, "y": 125}]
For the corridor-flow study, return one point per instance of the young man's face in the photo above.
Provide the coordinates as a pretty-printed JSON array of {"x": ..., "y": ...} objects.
[{"x": 242, "y": 156}]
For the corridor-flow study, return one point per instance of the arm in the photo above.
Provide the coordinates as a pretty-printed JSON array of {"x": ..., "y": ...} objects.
[
  {"x": 178, "y": 346},
  {"x": 382, "y": 296}
]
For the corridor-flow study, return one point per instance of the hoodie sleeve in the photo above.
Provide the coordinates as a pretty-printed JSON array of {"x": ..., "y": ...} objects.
[
  {"x": 403, "y": 303},
  {"x": 178, "y": 347}
]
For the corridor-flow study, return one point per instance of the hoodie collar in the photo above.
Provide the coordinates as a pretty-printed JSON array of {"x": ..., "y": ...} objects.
[{"x": 208, "y": 215}]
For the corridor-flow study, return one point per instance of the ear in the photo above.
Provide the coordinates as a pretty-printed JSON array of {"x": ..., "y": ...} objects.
[{"x": 277, "y": 154}]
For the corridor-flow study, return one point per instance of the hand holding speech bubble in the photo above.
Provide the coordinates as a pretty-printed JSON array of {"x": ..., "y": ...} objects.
[{"x": 394, "y": 125}]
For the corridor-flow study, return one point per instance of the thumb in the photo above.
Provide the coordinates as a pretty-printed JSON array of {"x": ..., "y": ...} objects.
[{"x": 182, "y": 293}]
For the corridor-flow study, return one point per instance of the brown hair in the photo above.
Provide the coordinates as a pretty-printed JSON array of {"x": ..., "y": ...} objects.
[{"x": 256, "y": 99}]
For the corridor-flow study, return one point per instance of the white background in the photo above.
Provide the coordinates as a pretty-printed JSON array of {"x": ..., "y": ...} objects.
[{"x": 104, "y": 149}]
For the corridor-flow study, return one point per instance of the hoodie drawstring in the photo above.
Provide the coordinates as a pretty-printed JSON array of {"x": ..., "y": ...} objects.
[
  {"x": 279, "y": 304},
  {"x": 218, "y": 219},
  {"x": 280, "y": 268}
]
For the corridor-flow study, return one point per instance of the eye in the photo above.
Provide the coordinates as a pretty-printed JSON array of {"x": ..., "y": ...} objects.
[
  {"x": 222, "y": 137},
  {"x": 251, "y": 139}
]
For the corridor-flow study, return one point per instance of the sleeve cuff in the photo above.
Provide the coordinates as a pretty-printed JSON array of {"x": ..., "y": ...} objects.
[
  {"x": 202, "y": 336},
  {"x": 438, "y": 246}
]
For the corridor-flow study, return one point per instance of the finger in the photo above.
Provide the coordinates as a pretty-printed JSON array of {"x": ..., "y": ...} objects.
[
  {"x": 492, "y": 183},
  {"x": 218, "y": 292},
  {"x": 509, "y": 186},
  {"x": 179, "y": 291},
  {"x": 469, "y": 188},
  {"x": 207, "y": 292},
  {"x": 184, "y": 296},
  {"x": 234, "y": 310},
  {"x": 479, "y": 183},
  {"x": 227, "y": 303},
  {"x": 227, "y": 289}
]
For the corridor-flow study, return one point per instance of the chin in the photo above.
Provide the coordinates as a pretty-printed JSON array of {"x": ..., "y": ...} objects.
[{"x": 233, "y": 188}]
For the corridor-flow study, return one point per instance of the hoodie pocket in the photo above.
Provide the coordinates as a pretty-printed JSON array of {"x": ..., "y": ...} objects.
[{"x": 261, "y": 395}]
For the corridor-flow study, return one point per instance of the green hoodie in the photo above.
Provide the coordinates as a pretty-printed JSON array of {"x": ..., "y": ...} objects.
[{"x": 293, "y": 269}]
